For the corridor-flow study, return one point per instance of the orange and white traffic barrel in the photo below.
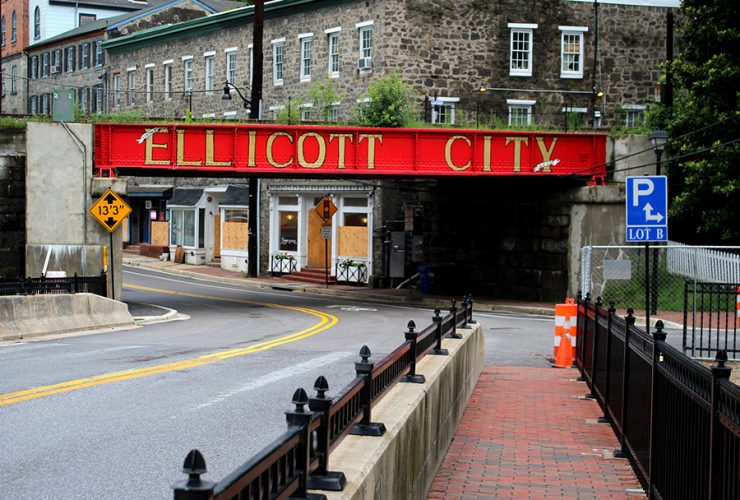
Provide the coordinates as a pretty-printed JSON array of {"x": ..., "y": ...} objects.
[{"x": 565, "y": 324}]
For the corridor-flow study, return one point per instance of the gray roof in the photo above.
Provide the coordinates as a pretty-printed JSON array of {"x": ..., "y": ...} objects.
[
  {"x": 185, "y": 197},
  {"x": 235, "y": 195}
]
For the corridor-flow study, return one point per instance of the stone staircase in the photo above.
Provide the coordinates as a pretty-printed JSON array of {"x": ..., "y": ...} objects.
[{"x": 315, "y": 275}]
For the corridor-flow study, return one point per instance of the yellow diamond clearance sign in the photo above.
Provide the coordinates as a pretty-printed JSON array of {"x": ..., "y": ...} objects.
[{"x": 110, "y": 210}]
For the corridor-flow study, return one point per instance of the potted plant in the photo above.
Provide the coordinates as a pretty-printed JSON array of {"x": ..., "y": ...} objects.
[
  {"x": 282, "y": 263},
  {"x": 351, "y": 271}
]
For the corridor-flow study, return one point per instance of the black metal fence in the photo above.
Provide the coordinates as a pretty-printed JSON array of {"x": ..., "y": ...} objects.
[
  {"x": 711, "y": 316},
  {"x": 678, "y": 422},
  {"x": 298, "y": 460},
  {"x": 44, "y": 285}
]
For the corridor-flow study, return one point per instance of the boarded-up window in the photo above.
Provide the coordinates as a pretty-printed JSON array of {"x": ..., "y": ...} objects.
[
  {"x": 160, "y": 233},
  {"x": 353, "y": 241}
]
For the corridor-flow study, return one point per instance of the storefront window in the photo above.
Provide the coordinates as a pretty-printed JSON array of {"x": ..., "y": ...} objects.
[
  {"x": 182, "y": 223},
  {"x": 289, "y": 231},
  {"x": 189, "y": 228},
  {"x": 355, "y": 220},
  {"x": 176, "y": 227}
]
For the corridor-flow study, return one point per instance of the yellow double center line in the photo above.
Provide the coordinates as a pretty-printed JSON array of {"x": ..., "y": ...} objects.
[{"x": 326, "y": 321}]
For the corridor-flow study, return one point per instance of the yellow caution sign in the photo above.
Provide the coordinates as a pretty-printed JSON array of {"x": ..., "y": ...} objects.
[{"x": 110, "y": 210}]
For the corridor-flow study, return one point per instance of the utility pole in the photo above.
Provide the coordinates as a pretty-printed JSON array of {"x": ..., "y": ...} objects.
[{"x": 254, "y": 114}]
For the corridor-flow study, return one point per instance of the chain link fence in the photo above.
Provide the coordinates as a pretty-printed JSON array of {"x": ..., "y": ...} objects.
[{"x": 622, "y": 273}]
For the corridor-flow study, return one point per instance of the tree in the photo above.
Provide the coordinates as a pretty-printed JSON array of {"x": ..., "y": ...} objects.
[
  {"x": 705, "y": 176},
  {"x": 389, "y": 103}
]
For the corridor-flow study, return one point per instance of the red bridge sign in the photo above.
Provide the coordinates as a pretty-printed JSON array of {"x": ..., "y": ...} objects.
[{"x": 275, "y": 150}]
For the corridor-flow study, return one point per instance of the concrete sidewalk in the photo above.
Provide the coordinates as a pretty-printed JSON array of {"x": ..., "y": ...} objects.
[{"x": 526, "y": 434}]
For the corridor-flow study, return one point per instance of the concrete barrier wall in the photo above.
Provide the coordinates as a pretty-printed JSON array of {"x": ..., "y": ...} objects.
[
  {"x": 23, "y": 316},
  {"x": 420, "y": 419}
]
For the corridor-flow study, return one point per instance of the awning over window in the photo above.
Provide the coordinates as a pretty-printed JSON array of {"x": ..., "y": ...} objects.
[
  {"x": 235, "y": 195},
  {"x": 185, "y": 197},
  {"x": 149, "y": 192}
]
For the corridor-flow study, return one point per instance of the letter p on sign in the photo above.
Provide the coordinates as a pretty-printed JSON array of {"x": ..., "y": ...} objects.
[{"x": 641, "y": 187}]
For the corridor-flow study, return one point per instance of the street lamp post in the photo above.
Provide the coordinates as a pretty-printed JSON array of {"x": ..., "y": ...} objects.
[
  {"x": 658, "y": 138},
  {"x": 227, "y": 94}
]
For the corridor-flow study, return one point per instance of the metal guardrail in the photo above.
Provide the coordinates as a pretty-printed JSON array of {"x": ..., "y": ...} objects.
[
  {"x": 678, "y": 422},
  {"x": 44, "y": 285},
  {"x": 298, "y": 460}
]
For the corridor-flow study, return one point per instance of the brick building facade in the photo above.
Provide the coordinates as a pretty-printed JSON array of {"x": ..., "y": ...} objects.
[{"x": 14, "y": 38}]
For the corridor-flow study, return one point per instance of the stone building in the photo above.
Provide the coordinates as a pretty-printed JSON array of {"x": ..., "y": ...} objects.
[
  {"x": 505, "y": 64},
  {"x": 536, "y": 62}
]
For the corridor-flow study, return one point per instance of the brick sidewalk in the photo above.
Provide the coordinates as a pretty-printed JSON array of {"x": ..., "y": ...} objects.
[{"x": 525, "y": 434}]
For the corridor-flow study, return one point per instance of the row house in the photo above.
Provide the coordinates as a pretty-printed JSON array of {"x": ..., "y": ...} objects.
[
  {"x": 493, "y": 63},
  {"x": 25, "y": 22},
  {"x": 75, "y": 60}
]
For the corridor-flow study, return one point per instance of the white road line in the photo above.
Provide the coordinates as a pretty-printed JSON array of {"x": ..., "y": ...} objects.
[
  {"x": 275, "y": 376},
  {"x": 18, "y": 346}
]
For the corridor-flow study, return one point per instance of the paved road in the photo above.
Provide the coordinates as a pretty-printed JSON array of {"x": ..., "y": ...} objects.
[{"x": 112, "y": 415}]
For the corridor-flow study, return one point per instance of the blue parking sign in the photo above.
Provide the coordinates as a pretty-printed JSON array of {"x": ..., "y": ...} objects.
[{"x": 647, "y": 208}]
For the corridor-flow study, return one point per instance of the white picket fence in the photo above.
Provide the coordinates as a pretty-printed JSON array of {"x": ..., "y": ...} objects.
[{"x": 704, "y": 264}]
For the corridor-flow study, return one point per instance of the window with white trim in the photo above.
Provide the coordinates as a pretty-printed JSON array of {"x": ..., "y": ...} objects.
[
  {"x": 116, "y": 90},
  {"x": 36, "y": 23},
  {"x": 306, "y": 55},
  {"x": 333, "y": 43},
  {"x": 520, "y": 112},
  {"x": 288, "y": 219},
  {"x": 56, "y": 61},
  {"x": 84, "y": 56},
  {"x": 34, "y": 104},
  {"x": 332, "y": 112},
  {"x": 14, "y": 79},
  {"x": 277, "y": 61},
  {"x": 99, "y": 55},
  {"x": 44, "y": 65},
  {"x": 187, "y": 63},
  {"x": 132, "y": 85},
  {"x": 182, "y": 227},
  {"x": 571, "y": 51},
  {"x": 149, "y": 82},
  {"x": 210, "y": 60},
  {"x": 634, "y": 114},
  {"x": 2, "y": 31},
  {"x": 69, "y": 59},
  {"x": 366, "y": 44},
  {"x": 443, "y": 110},
  {"x": 82, "y": 99},
  {"x": 520, "y": 49},
  {"x": 167, "y": 65},
  {"x": 13, "y": 27},
  {"x": 231, "y": 65},
  {"x": 305, "y": 112},
  {"x": 34, "y": 67}
]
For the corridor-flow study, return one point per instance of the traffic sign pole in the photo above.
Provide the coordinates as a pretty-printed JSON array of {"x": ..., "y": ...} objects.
[{"x": 112, "y": 282}]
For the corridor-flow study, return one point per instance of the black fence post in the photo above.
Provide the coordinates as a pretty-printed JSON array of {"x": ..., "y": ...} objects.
[
  {"x": 323, "y": 478},
  {"x": 411, "y": 335},
  {"x": 716, "y": 448},
  {"x": 630, "y": 320},
  {"x": 594, "y": 349},
  {"x": 76, "y": 281},
  {"x": 658, "y": 336},
  {"x": 364, "y": 369},
  {"x": 437, "y": 321},
  {"x": 453, "y": 312},
  {"x": 470, "y": 310},
  {"x": 194, "y": 488},
  {"x": 581, "y": 342},
  {"x": 103, "y": 284},
  {"x": 301, "y": 418},
  {"x": 607, "y": 376},
  {"x": 465, "y": 312}
]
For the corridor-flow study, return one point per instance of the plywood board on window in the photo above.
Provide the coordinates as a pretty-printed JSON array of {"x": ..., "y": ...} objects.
[
  {"x": 160, "y": 233},
  {"x": 316, "y": 244},
  {"x": 353, "y": 241},
  {"x": 235, "y": 235}
]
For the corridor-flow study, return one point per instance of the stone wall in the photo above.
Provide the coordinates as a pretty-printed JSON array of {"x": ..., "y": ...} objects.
[{"x": 12, "y": 201}]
